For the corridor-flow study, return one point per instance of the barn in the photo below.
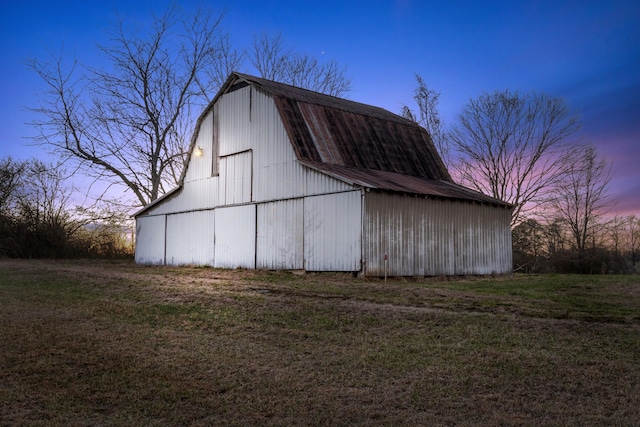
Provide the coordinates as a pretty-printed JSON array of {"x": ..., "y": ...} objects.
[{"x": 280, "y": 177}]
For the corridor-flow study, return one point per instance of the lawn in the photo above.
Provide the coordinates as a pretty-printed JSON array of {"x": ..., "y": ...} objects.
[{"x": 112, "y": 343}]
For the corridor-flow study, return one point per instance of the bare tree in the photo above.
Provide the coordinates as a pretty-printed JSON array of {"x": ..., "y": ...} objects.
[
  {"x": 129, "y": 123},
  {"x": 229, "y": 59},
  {"x": 11, "y": 176},
  {"x": 274, "y": 62},
  {"x": 269, "y": 57},
  {"x": 428, "y": 117},
  {"x": 580, "y": 197},
  {"x": 513, "y": 147},
  {"x": 632, "y": 229}
]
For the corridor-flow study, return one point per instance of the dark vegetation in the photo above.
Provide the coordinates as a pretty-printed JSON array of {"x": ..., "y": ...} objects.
[
  {"x": 613, "y": 248},
  {"x": 37, "y": 219}
]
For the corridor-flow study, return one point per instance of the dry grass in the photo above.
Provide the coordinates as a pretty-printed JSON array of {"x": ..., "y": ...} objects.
[{"x": 111, "y": 343}]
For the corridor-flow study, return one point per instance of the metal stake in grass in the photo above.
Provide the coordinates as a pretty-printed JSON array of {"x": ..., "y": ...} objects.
[{"x": 386, "y": 259}]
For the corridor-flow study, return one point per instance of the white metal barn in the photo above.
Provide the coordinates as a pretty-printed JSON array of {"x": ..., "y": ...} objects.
[{"x": 284, "y": 178}]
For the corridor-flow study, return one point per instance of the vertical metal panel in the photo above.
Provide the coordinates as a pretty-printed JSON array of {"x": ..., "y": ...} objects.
[
  {"x": 190, "y": 238},
  {"x": 200, "y": 166},
  {"x": 235, "y": 237},
  {"x": 389, "y": 236},
  {"x": 200, "y": 194},
  {"x": 332, "y": 232},
  {"x": 319, "y": 183},
  {"x": 234, "y": 121},
  {"x": 268, "y": 135},
  {"x": 150, "y": 234},
  {"x": 236, "y": 178},
  {"x": 280, "y": 240},
  {"x": 277, "y": 174},
  {"x": 434, "y": 237},
  {"x": 279, "y": 181}
]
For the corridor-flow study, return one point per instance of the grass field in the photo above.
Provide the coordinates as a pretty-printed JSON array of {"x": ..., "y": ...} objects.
[{"x": 112, "y": 343}]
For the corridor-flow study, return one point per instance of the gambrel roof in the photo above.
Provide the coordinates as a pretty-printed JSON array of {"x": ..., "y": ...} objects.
[
  {"x": 358, "y": 143},
  {"x": 335, "y": 131}
]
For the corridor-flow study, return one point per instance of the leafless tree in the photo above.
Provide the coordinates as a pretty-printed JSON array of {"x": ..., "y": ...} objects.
[
  {"x": 269, "y": 57},
  {"x": 580, "y": 197},
  {"x": 229, "y": 59},
  {"x": 11, "y": 176},
  {"x": 273, "y": 61},
  {"x": 129, "y": 123},
  {"x": 513, "y": 147},
  {"x": 632, "y": 229},
  {"x": 428, "y": 117}
]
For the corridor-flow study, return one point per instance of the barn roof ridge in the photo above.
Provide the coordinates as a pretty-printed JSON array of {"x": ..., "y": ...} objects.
[{"x": 313, "y": 97}]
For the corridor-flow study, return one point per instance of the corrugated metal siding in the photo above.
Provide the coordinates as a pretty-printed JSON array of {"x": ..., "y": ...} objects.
[
  {"x": 269, "y": 137},
  {"x": 234, "y": 121},
  {"x": 280, "y": 181},
  {"x": 319, "y": 183},
  {"x": 200, "y": 167},
  {"x": 150, "y": 232},
  {"x": 200, "y": 194},
  {"x": 236, "y": 178},
  {"x": 429, "y": 237},
  {"x": 332, "y": 232},
  {"x": 190, "y": 238},
  {"x": 280, "y": 242},
  {"x": 235, "y": 230}
]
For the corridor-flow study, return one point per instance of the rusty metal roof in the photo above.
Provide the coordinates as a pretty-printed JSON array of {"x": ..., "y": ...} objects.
[
  {"x": 391, "y": 181},
  {"x": 337, "y": 131}
]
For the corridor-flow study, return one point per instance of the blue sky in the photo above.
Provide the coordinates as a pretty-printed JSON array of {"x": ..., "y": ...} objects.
[{"x": 587, "y": 52}]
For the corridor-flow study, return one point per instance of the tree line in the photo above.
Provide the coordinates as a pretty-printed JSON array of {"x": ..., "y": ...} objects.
[
  {"x": 39, "y": 220},
  {"x": 128, "y": 123}
]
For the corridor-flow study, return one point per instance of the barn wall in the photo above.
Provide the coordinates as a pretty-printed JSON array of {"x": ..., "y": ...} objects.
[
  {"x": 429, "y": 237},
  {"x": 277, "y": 173},
  {"x": 190, "y": 238},
  {"x": 236, "y": 178},
  {"x": 194, "y": 195},
  {"x": 235, "y": 237},
  {"x": 234, "y": 122},
  {"x": 248, "y": 163},
  {"x": 200, "y": 167},
  {"x": 150, "y": 235},
  {"x": 279, "y": 237},
  {"x": 332, "y": 232}
]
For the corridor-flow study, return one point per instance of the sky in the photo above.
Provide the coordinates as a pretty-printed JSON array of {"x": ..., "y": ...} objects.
[{"x": 587, "y": 52}]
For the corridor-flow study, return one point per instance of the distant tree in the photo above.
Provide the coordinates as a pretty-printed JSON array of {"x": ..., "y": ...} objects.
[
  {"x": 229, "y": 59},
  {"x": 129, "y": 122},
  {"x": 11, "y": 176},
  {"x": 45, "y": 211},
  {"x": 615, "y": 231},
  {"x": 37, "y": 218},
  {"x": 529, "y": 244},
  {"x": 428, "y": 117},
  {"x": 579, "y": 199},
  {"x": 274, "y": 62},
  {"x": 632, "y": 231},
  {"x": 513, "y": 147}
]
